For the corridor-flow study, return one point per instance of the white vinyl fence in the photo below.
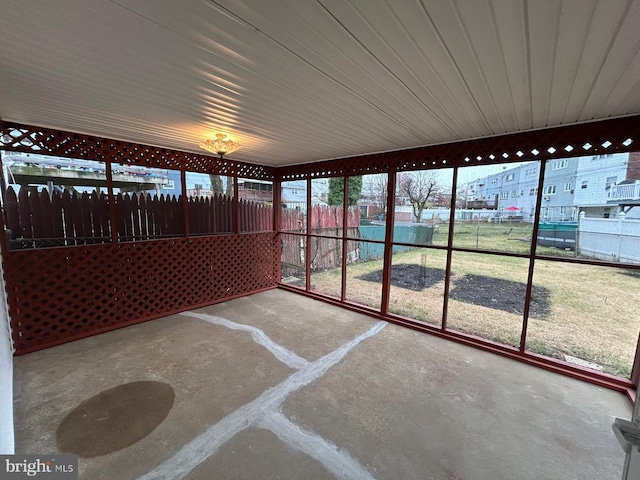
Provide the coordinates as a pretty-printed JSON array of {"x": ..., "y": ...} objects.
[{"x": 610, "y": 239}]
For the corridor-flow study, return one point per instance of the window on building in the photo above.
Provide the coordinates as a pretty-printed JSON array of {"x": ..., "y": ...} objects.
[
  {"x": 494, "y": 181},
  {"x": 533, "y": 192},
  {"x": 567, "y": 187},
  {"x": 584, "y": 184},
  {"x": 549, "y": 190},
  {"x": 611, "y": 181},
  {"x": 504, "y": 195},
  {"x": 557, "y": 165},
  {"x": 530, "y": 172},
  {"x": 510, "y": 177},
  {"x": 514, "y": 193}
]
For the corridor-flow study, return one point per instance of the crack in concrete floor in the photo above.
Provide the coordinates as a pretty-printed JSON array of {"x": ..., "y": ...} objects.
[{"x": 264, "y": 412}]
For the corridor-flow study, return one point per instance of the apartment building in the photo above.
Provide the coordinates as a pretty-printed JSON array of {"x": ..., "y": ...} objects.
[{"x": 570, "y": 186}]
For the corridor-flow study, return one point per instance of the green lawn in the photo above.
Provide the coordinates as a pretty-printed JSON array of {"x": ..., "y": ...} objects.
[{"x": 592, "y": 311}]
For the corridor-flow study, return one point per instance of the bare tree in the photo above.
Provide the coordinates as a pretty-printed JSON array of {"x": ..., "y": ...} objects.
[
  {"x": 418, "y": 187},
  {"x": 229, "y": 188},
  {"x": 216, "y": 184},
  {"x": 376, "y": 188},
  {"x": 461, "y": 195}
]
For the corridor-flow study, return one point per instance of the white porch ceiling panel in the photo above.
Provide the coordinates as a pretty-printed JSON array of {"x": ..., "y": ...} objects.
[{"x": 298, "y": 81}]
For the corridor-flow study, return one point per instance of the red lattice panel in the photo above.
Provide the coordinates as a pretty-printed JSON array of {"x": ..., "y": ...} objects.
[
  {"x": 61, "y": 294},
  {"x": 46, "y": 141},
  {"x": 595, "y": 138}
]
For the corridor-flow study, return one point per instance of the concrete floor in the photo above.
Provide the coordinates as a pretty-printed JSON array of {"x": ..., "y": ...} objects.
[{"x": 278, "y": 386}]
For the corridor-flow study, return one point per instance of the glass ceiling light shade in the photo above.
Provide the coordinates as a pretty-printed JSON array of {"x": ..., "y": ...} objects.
[{"x": 220, "y": 146}]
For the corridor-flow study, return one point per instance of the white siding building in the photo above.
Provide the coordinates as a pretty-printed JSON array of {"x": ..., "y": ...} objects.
[{"x": 570, "y": 186}]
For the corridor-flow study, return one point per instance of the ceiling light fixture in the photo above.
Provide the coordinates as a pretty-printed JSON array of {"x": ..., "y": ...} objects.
[{"x": 220, "y": 146}]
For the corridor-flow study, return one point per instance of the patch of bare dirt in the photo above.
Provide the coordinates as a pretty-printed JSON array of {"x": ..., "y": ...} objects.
[
  {"x": 409, "y": 276},
  {"x": 500, "y": 294},
  {"x": 489, "y": 292}
]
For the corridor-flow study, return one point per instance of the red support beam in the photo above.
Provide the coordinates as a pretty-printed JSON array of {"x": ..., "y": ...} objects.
[
  {"x": 532, "y": 259},
  {"x": 447, "y": 272},
  {"x": 185, "y": 202},
  {"x": 112, "y": 203},
  {"x": 388, "y": 241},
  {"x": 307, "y": 229},
  {"x": 345, "y": 242}
]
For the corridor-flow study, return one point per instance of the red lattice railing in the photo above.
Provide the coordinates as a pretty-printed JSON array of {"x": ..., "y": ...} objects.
[
  {"x": 46, "y": 141},
  {"x": 61, "y": 294}
]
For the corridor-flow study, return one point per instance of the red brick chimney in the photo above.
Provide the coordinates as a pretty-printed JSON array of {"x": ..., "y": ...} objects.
[{"x": 633, "y": 168}]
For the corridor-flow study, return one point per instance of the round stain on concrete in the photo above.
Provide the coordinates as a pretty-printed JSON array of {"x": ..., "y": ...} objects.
[{"x": 115, "y": 418}]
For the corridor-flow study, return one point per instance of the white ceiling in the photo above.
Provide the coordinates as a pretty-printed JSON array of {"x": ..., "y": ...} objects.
[{"x": 297, "y": 81}]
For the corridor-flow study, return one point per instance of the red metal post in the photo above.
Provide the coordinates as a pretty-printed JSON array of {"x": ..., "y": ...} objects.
[
  {"x": 112, "y": 203},
  {"x": 307, "y": 250},
  {"x": 4, "y": 244},
  {"x": 236, "y": 204},
  {"x": 277, "y": 222},
  {"x": 345, "y": 242},
  {"x": 388, "y": 240},
  {"x": 532, "y": 259},
  {"x": 447, "y": 272},
  {"x": 635, "y": 370},
  {"x": 185, "y": 202}
]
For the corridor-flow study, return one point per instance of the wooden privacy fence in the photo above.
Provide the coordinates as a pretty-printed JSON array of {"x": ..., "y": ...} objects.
[
  {"x": 210, "y": 215},
  {"x": 327, "y": 220},
  {"x": 293, "y": 220},
  {"x": 36, "y": 219},
  {"x": 325, "y": 251},
  {"x": 255, "y": 217},
  {"x": 293, "y": 246},
  {"x": 40, "y": 219}
]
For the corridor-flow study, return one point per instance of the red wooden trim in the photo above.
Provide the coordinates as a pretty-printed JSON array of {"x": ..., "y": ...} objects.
[
  {"x": 635, "y": 370},
  {"x": 507, "y": 148},
  {"x": 388, "y": 241},
  {"x": 345, "y": 242},
  {"x": 112, "y": 203},
  {"x": 185, "y": 203},
  {"x": 447, "y": 268},
  {"x": 48, "y": 141},
  {"x": 307, "y": 233},
  {"x": 277, "y": 222},
  {"x": 237, "y": 228},
  {"x": 532, "y": 259},
  {"x": 4, "y": 244}
]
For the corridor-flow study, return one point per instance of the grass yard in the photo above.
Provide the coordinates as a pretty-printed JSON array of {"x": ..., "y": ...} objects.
[
  {"x": 503, "y": 237},
  {"x": 588, "y": 312}
]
